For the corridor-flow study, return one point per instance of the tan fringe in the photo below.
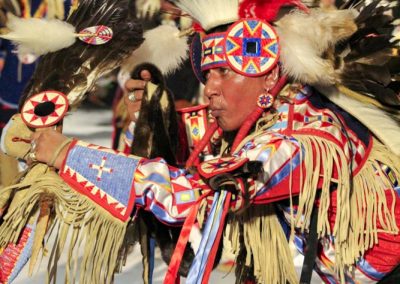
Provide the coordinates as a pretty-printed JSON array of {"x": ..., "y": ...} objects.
[
  {"x": 315, "y": 151},
  {"x": 355, "y": 227},
  {"x": 101, "y": 233},
  {"x": 266, "y": 243},
  {"x": 369, "y": 199},
  {"x": 40, "y": 231}
]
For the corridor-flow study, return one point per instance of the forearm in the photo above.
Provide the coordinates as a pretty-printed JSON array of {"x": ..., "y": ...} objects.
[{"x": 117, "y": 182}]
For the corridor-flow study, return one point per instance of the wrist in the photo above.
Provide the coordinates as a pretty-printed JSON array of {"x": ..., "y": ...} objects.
[{"x": 60, "y": 154}]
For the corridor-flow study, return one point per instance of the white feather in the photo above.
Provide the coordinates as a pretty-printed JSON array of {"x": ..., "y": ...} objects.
[
  {"x": 304, "y": 38},
  {"x": 147, "y": 8},
  {"x": 377, "y": 121},
  {"x": 211, "y": 13},
  {"x": 39, "y": 36},
  {"x": 162, "y": 47}
]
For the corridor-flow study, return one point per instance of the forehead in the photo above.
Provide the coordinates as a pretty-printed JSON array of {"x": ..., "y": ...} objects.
[{"x": 230, "y": 78}]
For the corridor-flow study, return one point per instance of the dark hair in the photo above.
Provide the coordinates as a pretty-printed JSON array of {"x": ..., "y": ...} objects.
[{"x": 222, "y": 28}]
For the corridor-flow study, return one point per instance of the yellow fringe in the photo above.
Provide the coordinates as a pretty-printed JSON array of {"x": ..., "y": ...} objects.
[
  {"x": 101, "y": 233},
  {"x": 40, "y": 231},
  {"x": 369, "y": 199},
  {"x": 265, "y": 243},
  {"x": 355, "y": 227}
]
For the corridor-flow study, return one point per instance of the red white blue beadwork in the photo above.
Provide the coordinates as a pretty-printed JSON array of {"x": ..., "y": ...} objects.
[
  {"x": 265, "y": 101},
  {"x": 57, "y": 106},
  {"x": 96, "y": 35},
  {"x": 251, "y": 47},
  {"x": 218, "y": 166},
  {"x": 213, "y": 51}
]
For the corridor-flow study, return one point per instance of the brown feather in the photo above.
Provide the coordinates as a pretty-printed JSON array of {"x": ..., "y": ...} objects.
[{"x": 73, "y": 70}]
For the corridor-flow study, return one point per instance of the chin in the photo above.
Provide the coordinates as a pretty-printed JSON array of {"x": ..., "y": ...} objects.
[{"x": 226, "y": 126}]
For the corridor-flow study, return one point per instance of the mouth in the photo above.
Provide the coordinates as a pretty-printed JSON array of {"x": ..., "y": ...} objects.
[{"x": 216, "y": 112}]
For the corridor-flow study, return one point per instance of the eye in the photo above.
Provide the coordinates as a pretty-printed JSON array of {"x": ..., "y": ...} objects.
[
  {"x": 224, "y": 71},
  {"x": 206, "y": 74}
]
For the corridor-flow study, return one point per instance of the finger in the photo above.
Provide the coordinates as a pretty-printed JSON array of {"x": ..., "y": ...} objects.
[
  {"x": 133, "y": 97},
  {"x": 138, "y": 95},
  {"x": 132, "y": 85}
]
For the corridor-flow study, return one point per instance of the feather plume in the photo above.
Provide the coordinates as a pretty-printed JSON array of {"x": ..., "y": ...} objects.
[
  {"x": 39, "y": 36},
  {"x": 74, "y": 70},
  {"x": 304, "y": 38},
  {"x": 159, "y": 42},
  {"x": 350, "y": 47},
  {"x": 368, "y": 61},
  {"x": 147, "y": 8},
  {"x": 266, "y": 10},
  {"x": 210, "y": 13}
]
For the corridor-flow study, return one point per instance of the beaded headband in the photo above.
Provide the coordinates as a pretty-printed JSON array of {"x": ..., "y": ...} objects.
[{"x": 249, "y": 47}]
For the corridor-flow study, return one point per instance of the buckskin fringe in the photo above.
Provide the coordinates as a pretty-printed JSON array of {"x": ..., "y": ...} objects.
[
  {"x": 369, "y": 198},
  {"x": 265, "y": 243},
  {"x": 361, "y": 201},
  {"x": 102, "y": 234}
]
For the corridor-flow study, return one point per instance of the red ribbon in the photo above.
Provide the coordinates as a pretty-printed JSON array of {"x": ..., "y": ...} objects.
[
  {"x": 204, "y": 141},
  {"x": 176, "y": 258}
]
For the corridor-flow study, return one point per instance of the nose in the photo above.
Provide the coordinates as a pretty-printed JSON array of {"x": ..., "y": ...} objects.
[{"x": 211, "y": 86}]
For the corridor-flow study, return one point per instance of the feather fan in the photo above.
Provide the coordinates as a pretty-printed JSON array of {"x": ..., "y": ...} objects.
[
  {"x": 355, "y": 47},
  {"x": 73, "y": 70},
  {"x": 368, "y": 61}
]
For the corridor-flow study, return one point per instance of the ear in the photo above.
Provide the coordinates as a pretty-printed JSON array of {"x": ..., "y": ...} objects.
[{"x": 271, "y": 78}]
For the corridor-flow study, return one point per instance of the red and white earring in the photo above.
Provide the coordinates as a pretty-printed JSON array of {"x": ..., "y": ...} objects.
[{"x": 265, "y": 100}]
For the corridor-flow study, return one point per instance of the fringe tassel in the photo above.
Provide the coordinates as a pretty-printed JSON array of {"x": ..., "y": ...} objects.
[
  {"x": 265, "y": 243},
  {"x": 361, "y": 200},
  {"x": 316, "y": 150},
  {"x": 369, "y": 200},
  {"x": 103, "y": 235}
]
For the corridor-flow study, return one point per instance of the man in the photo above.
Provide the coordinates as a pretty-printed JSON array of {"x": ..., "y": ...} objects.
[{"x": 323, "y": 173}]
